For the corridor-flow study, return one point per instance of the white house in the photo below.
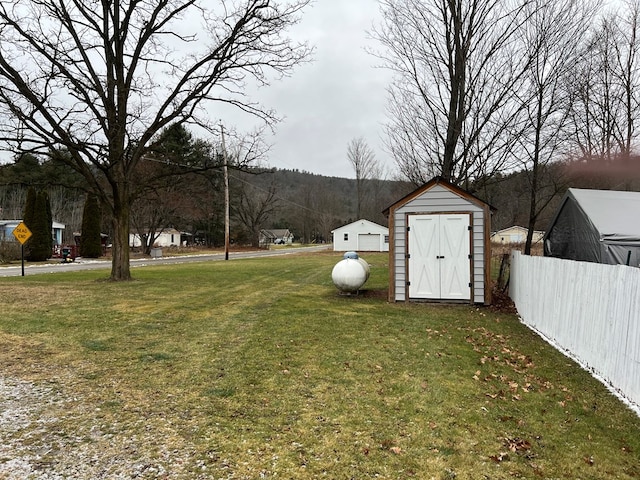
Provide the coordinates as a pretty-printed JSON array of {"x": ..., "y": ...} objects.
[
  {"x": 361, "y": 236},
  {"x": 167, "y": 238},
  {"x": 7, "y": 226},
  {"x": 515, "y": 234},
  {"x": 282, "y": 236}
]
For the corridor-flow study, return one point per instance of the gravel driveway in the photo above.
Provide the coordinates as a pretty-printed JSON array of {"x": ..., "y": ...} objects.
[{"x": 33, "y": 446}]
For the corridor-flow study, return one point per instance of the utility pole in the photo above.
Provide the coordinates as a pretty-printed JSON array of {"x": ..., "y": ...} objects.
[{"x": 226, "y": 196}]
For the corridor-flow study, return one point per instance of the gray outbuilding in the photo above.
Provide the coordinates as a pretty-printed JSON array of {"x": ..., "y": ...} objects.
[
  {"x": 439, "y": 246},
  {"x": 601, "y": 226}
]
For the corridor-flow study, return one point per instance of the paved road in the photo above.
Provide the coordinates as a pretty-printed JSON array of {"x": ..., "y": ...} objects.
[{"x": 80, "y": 264}]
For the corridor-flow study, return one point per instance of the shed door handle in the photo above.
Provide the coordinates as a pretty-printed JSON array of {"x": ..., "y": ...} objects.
[{"x": 439, "y": 256}]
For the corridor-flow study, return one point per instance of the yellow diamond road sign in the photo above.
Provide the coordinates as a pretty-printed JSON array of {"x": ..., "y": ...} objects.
[{"x": 22, "y": 233}]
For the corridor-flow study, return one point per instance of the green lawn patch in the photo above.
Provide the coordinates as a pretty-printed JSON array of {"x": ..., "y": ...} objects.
[{"x": 259, "y": 368}]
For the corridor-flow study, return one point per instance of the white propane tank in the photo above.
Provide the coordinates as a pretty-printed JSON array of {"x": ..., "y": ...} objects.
[{"x": 351, "y": 273}]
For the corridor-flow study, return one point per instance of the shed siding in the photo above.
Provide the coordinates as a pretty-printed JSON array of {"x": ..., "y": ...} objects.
[{"x": 439, "y": 200}]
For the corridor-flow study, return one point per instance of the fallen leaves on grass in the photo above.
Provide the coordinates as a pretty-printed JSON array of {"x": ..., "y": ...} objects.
[
  {"x": 497, "y": 348},
  {"x": 513, "y": 445},
  {"x": 517, "y": 444},
  {"x": 500, "y": 457}
]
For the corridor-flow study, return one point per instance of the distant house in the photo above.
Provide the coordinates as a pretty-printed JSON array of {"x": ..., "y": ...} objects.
[
  {"x": 281, "y": 236},
  {"x": 361, "y": 236},
  {"x": 7, "y": 226},
  {"x": 601, "y": 226},
  {"x": 166, "y": 238},
  {"x": 515, "y": 234}
]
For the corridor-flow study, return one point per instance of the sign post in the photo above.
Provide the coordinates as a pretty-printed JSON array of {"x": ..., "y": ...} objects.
[{"x": 22, "y": 234}]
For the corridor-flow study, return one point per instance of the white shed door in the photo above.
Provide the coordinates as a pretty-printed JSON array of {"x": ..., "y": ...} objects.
[
  {"x": 369, "y": 242},
  {"x": 439, "y": 266}
]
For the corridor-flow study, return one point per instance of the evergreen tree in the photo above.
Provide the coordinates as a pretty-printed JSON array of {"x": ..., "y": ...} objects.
[
  {"x": 41, "y": 242},
  {"x": 25, "y": 170},
  {"x": 90, "y": 245}
]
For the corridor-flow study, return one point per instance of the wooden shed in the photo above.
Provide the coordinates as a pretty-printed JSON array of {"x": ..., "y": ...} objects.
[{"x": 439, "y": 246}]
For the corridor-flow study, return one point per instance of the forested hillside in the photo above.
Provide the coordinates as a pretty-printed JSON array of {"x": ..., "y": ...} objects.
[{"x": 309, "y": 205}]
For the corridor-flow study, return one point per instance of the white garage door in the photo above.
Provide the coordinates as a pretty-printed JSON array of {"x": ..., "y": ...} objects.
[{"x": 368, "y": 242}]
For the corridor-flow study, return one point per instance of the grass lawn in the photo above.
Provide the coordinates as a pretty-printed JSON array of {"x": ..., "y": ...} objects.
[{"x": 258, "y": 368}]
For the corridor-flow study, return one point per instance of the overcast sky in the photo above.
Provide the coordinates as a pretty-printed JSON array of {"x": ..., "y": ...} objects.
[{"x": 338, "y": 97}]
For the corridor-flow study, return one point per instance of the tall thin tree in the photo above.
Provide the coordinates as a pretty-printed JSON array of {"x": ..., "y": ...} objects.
[
  {"x": 605, "y": 89},
  {"x": 365, "y": 166},
  {"x": 41, "y": 241},
  {"x": 456, "y": 66}
]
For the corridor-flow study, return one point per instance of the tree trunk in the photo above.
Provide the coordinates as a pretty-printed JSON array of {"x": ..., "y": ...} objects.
[
  {"x": 457, "y": 82},
  {"x": 531, "y": 226},
  {"x": 255, "y": 237},
  {"x": 120, "y": 270},
  {"x": 535, "y": 171}
]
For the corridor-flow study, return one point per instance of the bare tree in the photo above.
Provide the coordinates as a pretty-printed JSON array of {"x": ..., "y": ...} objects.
[
  {"x": 12, "y": 200},
  {"x": 154, "y": 213},
  {"x": 254, "y": 207},
  {"x": 605, "y": 87},
  {"x": 365, "y": 166},
  {"x": 163, "y": 187},
  {"x": 551, "y": 39},
  {"x": 66, "y": 207},
  {"x": 627, "y": 73},
  {"x": 592, "y": 98},
  {"x": 102, "y": 78},
  {"x": 457, "y": 65}
]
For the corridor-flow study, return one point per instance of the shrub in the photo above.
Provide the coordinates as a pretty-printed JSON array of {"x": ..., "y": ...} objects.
[{"x": 9, "y": 252}]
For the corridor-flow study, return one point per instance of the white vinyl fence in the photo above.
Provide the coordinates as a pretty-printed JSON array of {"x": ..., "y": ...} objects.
[{"x": 590, "y": 310}]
